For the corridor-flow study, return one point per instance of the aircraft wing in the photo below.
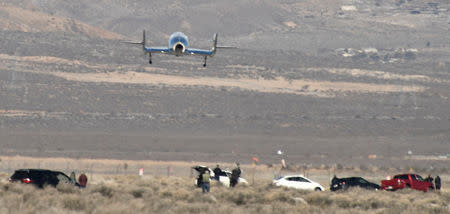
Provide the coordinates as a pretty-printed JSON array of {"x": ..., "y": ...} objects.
[
  {"x": 163, "y": 50},
  {"x": 201, "y": 52}
]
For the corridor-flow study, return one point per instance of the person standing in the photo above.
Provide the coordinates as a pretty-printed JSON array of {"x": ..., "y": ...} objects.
[
  {"x": 235, "y": 174},
  {"x": 206, "y": 177},
  {"x": 217, "y": 171},
  {"x": 72, "y": 177},
  {"x": 82, "y": 180},
  {"x": 437, "y": 183}
]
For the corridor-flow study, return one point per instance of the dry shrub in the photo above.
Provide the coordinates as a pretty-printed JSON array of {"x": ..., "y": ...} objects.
[
  {"x": 371, "y": 203},
  {"x": 261, "y": 208},
  {"x": 67, "y": 188},
  {"x": 238, "y": 196},
  {"x": 159, "y": 205},
  {"x": 445, "y": 196},
  {"x": 18, "y": 188},
  {"x": 182, "y": 207},
  {"x": 117, "y": 208},
  {"x": 183, "y": 194},
  {"x": 137, "y": 193},
  {"x": 166, "y": 194},
  {"x": 74, "y": 202},
  {"x": 345, "y": 202},
  {"x": 125, "y": 179},
  {"x": 283, "y": 208},
  {"x": 104, "y": 190},
  {"x": 279, "y": 196},
  {"x": 319, "y": 199}
]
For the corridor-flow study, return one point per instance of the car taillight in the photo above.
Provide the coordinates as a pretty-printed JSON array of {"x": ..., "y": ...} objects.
[
  {"x": 27, "y": 180},
  {"x": 10, "y": 180}
]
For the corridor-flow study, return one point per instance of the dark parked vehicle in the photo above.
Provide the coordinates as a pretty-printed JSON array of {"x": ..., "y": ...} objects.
[
  {"x": 345, "y": 183},
  {"x": 41, "y": 177}
]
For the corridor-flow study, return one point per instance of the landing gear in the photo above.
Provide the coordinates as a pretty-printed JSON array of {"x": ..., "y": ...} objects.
[
  {"x": 204, "y": 62},
  {"x": 150, "y": 58}
]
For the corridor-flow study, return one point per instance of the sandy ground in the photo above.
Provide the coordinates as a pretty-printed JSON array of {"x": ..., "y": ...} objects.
[{"x": 277, "y": 85}]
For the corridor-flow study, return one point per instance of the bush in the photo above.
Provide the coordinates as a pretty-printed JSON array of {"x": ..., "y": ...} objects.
[
  {"x": 137, "y": 193},
  {"x": 239, "y": 199},
  {"x": 279, "y": 196},
  {"x": 67, "y": 188},
  {"x": 74, "y": 203},
  {"x": 105, "y": 191},
  {"x": 319, "y": 199}
]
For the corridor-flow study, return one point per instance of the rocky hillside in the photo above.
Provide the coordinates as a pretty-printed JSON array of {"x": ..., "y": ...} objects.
[{"x": 19, "y": 19}]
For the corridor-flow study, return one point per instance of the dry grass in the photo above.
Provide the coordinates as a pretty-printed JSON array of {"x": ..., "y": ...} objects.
[{"x": 151, "y": 194}]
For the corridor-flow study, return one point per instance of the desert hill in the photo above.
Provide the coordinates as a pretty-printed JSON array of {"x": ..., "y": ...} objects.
[
  {"x": 19, "y": 19},
  {"x": 288, "y": 25}
]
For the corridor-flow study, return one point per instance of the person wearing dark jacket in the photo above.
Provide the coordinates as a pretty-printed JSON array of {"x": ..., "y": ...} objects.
[
  {"x": 217, "y": 171},
  {"x": 235, "y": 174},
  {"x": 437, "y": 183}
]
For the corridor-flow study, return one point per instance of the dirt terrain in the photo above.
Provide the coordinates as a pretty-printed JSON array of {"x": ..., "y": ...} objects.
[{"x": 327, "y": 83}]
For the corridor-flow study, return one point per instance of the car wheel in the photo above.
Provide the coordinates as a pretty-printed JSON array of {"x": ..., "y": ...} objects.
[
  {"x": 317, "y": 189},
  {"x": 408, "y": 186}
]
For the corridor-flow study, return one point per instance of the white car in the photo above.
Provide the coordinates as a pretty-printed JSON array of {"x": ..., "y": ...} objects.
[
  {"x": 298, "y": 182},
  {"x": 225, "y": 180}
]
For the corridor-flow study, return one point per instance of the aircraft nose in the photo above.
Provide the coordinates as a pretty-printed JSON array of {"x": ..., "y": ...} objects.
[{"x": 179, "y": 48}]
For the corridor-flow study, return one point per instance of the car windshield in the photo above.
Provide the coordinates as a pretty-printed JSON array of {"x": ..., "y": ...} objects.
[
  {"x": 19, "y": 175},
  {"x": 298, "y": 179},
  {"x": 63, "y": 179},
  {"x": 303, "y": 180},
  {"x": 401, "y": 177},
  {"x": 361, "y": 180},
  {"x": 419, "y": 178},
  {"x": 291, "y": 178}
]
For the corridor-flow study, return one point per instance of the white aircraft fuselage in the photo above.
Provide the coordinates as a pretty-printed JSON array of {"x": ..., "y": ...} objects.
[{"x": 178, "y": 43}]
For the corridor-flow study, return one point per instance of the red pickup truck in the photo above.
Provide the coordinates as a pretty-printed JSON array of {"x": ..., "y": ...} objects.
[{"x": 412, "y": 181}]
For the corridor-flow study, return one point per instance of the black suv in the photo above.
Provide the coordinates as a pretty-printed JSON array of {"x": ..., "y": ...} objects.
[
  {"x": 41, "y": 177},
  {"x": 345, "y": 183}
]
